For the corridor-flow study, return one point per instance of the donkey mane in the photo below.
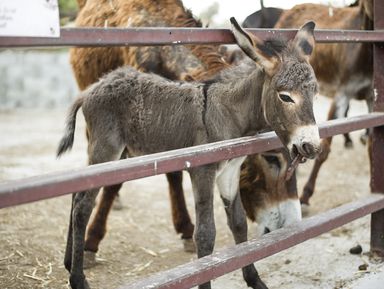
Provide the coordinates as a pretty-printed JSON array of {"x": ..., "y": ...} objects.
[
  {"x": 273, "y": 46},
  {"x": 208, "y": 54}
]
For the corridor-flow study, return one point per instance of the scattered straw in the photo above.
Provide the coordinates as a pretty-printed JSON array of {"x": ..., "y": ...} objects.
[
  {"x": 149, "y": 251},
  {"x": 139, "y": 268},
  {"x": 7, "y": 257},
  {"x": 38, "y": 262},
  {"x": 164, "y": 251},
  {"x": 49, "y": 272},
  {"x": 34, "y": 277}
]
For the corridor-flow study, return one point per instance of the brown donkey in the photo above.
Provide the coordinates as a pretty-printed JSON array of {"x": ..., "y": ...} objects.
[
  {"x": 344, "y": 71},
  {"x": 145, "y": 113},
  {"x": 198, "y": 62}
]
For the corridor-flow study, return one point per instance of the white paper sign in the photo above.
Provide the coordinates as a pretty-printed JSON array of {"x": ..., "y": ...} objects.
[{"x": 39, "y": 18}]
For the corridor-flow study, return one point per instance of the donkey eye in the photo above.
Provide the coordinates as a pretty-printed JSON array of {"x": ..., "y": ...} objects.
[{"x": 284, "y": 96}]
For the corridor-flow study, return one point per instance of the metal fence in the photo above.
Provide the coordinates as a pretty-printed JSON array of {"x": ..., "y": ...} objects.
[{"x": 209, "y": 267}]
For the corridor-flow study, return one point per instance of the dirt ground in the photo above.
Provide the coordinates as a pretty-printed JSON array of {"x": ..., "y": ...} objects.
[{"x": 141, "y": 239}]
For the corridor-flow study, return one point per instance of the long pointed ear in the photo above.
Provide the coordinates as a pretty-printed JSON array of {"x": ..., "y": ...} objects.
[
  {"x": 304, "y": 40},
  {"x": 251, "y": 46}
]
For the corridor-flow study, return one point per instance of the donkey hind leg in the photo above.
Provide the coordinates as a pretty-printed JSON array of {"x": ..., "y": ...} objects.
[
  {"x": 203, "y": 181},
  {"x": 348, "y": 143},
  {"x": 339, "y": 109},
  {"x": 83, "y": 203},
  {"x": 68, "y": 249},
  {"x": 96, "y": 228},
  {"x": 309, "y": 187},
  {"x": 228, "y": 184},
  {"x": 82, "y": 208},
  {"x": 180, "y": 216}
]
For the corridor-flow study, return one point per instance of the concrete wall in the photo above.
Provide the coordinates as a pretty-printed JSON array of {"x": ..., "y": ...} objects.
[{"x": 36, "y": 79}]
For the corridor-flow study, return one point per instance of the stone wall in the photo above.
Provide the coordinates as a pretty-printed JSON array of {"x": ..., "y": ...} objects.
[{"x": 36, "y": 79}]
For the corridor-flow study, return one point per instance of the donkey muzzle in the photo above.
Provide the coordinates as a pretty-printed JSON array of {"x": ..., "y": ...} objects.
[
  {"x": 278, "y": 216},
  {"x": 305, "y": 141}
]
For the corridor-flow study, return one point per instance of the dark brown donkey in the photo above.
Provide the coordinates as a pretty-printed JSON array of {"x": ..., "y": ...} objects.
[
  {"x": 144, "y": 113},
  {"x": 266, "y": 17},
  {"x": 344, "y": 71},
  {"x": 270, "y": 204}
]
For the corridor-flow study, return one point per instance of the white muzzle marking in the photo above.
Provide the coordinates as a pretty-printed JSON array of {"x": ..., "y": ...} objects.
[
  {"x": 305, "y": 134},
  {"x": 278, "y": 216}
]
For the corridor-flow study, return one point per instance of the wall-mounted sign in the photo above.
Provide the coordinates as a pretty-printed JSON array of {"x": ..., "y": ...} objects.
[{"x": 35, "y": 18}]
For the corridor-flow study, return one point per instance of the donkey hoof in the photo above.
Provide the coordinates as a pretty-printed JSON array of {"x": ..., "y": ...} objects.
[
  {"x": 189, "y": 245},
  {"x": 348, "y": 144},
  {"x": 364, "y": 139},
  {"x": 78, "y": 282},
  {"x": 89, "y": 260},
  {"x": 117, "y": 204},
  {"x": 305, "y": 209}
]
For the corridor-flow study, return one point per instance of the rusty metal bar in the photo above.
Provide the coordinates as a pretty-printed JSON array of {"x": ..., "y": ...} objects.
[
  {"x": 377, "y": 149},
  {"x": 230, "y": 259},
  {"x": 174, "y": 36},
  {"x": 57, "y": 184}
]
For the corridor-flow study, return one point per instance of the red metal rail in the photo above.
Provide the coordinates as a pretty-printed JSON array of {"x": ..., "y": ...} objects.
[
  {"x": 175, "y": 36},
  {"x": 57, "y": 184},
  {"x": 230, "y": 259}
]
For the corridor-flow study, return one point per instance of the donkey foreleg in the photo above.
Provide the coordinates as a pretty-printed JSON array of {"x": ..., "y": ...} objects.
[
  {"x": 228, "y": 184},
  {"x": 203, "y": 180},
  {"x": 237, "y": 222},
  {"x": 180, "y": 216}
]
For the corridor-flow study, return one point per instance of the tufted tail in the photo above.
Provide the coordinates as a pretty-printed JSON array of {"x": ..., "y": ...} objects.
[{"x": 67, "y": 140}]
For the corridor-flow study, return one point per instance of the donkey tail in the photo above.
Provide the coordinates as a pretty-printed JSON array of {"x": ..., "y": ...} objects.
[{"x": 66, "y": 141}]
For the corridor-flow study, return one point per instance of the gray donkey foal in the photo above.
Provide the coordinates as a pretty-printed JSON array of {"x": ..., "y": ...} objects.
[{"x": 146, "y": 113}]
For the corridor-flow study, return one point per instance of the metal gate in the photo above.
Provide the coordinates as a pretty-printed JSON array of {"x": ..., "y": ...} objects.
[{"x": 209, "y": 267}]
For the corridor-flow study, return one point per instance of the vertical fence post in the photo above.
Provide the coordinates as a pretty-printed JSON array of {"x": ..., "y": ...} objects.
[{"x": 377, "y": 162}]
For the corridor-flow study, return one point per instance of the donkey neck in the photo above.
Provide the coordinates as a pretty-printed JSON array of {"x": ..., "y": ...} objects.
[{"x": 234, "y": 101}]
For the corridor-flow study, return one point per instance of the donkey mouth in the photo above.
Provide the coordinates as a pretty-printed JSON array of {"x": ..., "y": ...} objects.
[
  {"x": 297, "y": 158},
  {"x": 294, "y": 164},
  {"x": 297, "y": 154}
]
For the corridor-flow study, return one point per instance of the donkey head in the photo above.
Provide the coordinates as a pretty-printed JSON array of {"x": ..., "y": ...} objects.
[
  {"x": 289, "y": 87},
  {"x": 268, "y": 199}
]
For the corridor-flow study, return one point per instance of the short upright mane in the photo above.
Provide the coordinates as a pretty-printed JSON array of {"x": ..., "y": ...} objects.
[
  {"x": 187, "y": 20},
  {"x": 273, "y": 46},
  {"x": 208, "y": 54}
]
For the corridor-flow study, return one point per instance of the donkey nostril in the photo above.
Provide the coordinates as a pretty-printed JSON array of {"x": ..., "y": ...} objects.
[
  {"x": 266, "y": 230},
  {"x": 308, "y": 149}
]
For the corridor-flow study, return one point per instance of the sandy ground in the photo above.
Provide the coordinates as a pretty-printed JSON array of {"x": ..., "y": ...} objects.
[{"x": 141, "y": 239}]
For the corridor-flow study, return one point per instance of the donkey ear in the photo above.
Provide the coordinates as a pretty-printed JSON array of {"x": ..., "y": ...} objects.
[
  {"x": 244, "y": 40},
  {"x": 304, "y": 40},
  {"x": 251, "y": 45}
]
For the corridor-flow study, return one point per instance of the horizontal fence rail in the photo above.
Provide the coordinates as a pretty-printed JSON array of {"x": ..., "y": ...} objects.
[
  {"x": 230, "y": 259},
  {"x": 57, "y": 184},
  {"x": 176, "y": 36}
]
